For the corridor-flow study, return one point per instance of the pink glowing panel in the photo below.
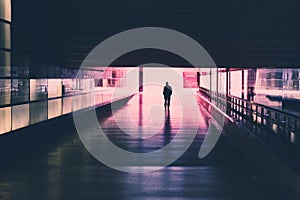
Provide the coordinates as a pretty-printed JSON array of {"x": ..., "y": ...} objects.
[
  {"x": 38, "y": 89},
  {"x": 132, "y": 79},
  {"x": 54, "y": 88},
  {"x": 190, "y": 79},
  {"x": 5, "y": 9},
  {"x": 38, "y": 112},
  {"x": 205, "y": 78},
  {"x": 20, "y": 116},
  {"x": 108, "y": 95},
  {"x": 149, "y": 110},
  {"x": 5, "y": 36},
  {"x": 245, "y": 82},
  {"x": 159, "y": 76},
  {"x": 222, "y": 83},
  {"x": 77, "y": 102},
  {"x": 67, "y": 105},
  {"x": 98, "y": 97},
  {"x": 5, "y": 122},
  {"x": 54, "y": 108},
  {"x": 236, "y": 83},
  {"x": 87, "y": 100}
]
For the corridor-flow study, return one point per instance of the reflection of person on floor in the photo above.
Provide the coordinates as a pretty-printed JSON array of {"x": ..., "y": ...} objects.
[
  {"x": 167, "y": 129},
  {"x": 167, "y": 95}
]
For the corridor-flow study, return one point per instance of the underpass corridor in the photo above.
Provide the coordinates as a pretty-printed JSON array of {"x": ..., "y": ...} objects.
[{"x": 64, "y": 169}]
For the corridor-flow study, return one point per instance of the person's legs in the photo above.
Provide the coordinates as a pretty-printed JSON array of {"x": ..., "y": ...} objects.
[
  {"x": 169, "y": 99},
  {"x": 165, "y": 102}
]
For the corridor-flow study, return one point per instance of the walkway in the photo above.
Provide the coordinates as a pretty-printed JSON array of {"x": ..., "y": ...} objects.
[{"x": 65, "y": 170}]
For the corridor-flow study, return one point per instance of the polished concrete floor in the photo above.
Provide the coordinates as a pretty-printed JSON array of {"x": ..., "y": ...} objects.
[{"x": 63, "y": 169}]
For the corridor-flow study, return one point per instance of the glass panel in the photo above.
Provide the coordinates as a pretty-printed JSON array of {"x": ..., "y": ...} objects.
[
  {"x": 295, "y": 75},
  {"x": 20, "y": 90},
  {"x": 5, "y": 69},
  {"x": 54, "y": 88},
  {"x": 205, "y": 78},
  {"x": 38, "y": 89},
  {"x": 4, "y": 35},
  {"x": 278, "y": 75},
  {"x": 190, "y": 79},
  {"x": 296, "y": 85},
  {"x": 107, "y": 95},
  {"x": 5, "y": 9},
  {"x": 67, "y": 105},
  {"x": 87, "y": 100},
  {"x": 222, "y": 82},
  {"x": 5, "y": 122},
  {"x": 5, "y": 85},
  {"x": 236, "y": 83},
  {"x": 98, "y": 96},
  {"x": 70, "y": 86},
  {"x": 77, "y": 102},
  {"x": 54, "y": 108},
  {"x": 38, "y": 111},
  {"x": 20, "y": 116},
  {"x": 19, "y": 71},
  {"x": 245, "y": 89}
]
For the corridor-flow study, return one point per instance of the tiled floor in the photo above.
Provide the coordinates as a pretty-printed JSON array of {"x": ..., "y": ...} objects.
[{"x": 65, "y": 169}]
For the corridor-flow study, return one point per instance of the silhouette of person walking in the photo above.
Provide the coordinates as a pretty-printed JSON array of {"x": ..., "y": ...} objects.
[{"x": 167, "y": 95}]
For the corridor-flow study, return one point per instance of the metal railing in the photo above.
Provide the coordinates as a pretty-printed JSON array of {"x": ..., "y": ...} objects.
[{"x": 261, "y": 120}]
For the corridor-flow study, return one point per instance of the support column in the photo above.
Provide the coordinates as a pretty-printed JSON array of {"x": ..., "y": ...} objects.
[
  {"x": 243, "y": 84},
  {"x": 141, "y": 79},
  {"x": 227, "y": 90},
  {"x": 198, "y": 79},
  {"x": 217, "y": 84},
  {"x": 210, "y": 84}
]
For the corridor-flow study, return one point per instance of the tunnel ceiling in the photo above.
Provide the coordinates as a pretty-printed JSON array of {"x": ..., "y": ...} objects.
[{"x": 235, "y": 33}]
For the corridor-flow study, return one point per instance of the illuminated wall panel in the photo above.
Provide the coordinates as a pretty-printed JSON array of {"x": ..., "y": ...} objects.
[
  {"x": 20, "y": 90},
  {"x": 236, "y": 83},
  {"x": 5, "y": 122},
  {"x": 98, "y": 97},
  {"x": 205, "y": 78},
  {"x": 54, "y": 88},
  {"x": 20, "y": 116},
  {"x": 222, "y": 83},
  {"x": 5, "y": 69},
  {"x": 54, "y": 108},
  {"x": 38, "y": 89},
  {"x": 5, "y": 10},
  {"x": 245, "y": 82},
  {"x": 87, "y": 100},
  {"x": 67, "y": 105},
  {"x": 38, "y": 111},
  {"x": 5, "y": 85},
  {"x": 77, "y": 102},
  {"x": 5, "y": 35}
]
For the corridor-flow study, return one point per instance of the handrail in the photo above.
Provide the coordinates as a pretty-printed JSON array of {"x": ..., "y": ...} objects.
[
  {"x": 216, "y": 108},
  {"x": 255, "y": 103},
  {"x": 268, "y": 107},
  {"x": 270, "y": 119}
]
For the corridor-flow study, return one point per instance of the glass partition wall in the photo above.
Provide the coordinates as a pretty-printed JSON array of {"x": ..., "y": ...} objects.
[
  {"x": 26, "y": 100},
  {"x": 32, "y": 92},
  {"x": 5, "y": 69},
  {"x": 275, "y": 87}
]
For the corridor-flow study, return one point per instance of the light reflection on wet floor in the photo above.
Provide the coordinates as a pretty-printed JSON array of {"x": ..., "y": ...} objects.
[{"x": 67, "y": 171}]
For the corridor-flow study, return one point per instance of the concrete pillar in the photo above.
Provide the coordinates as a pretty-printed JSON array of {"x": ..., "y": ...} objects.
[
  {"x": 243, "y": 84},
  {"x": 141, "y": 78}
]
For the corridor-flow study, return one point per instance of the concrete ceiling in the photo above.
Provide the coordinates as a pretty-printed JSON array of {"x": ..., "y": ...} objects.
[{"x": 234, "y": 32}]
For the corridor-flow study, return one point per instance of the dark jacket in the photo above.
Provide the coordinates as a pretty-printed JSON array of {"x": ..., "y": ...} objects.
[{"x": 167, "y": 91}]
